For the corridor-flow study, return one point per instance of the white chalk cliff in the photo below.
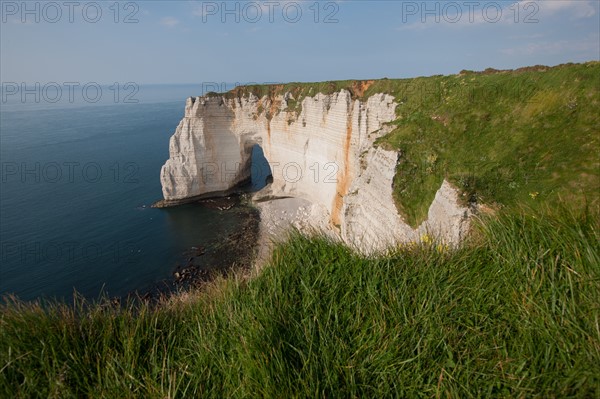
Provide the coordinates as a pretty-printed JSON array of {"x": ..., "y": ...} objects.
[{"x": 323, "y": 155}]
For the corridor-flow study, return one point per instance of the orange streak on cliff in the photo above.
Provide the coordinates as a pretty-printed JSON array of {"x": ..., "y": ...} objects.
[{"x": 343, "y": 181}]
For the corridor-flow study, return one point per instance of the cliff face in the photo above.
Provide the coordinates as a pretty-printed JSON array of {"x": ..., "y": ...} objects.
[{"x": 322, "y": 153}]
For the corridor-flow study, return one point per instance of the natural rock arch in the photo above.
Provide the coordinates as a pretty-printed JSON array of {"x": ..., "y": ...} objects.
[{"x": 210, "y": 153}]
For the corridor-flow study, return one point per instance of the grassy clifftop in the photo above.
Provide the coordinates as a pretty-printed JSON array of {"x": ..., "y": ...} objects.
[
  {"x": 503, "y": 138},
  {"x": 530, "y": 135},
  {"x": 514, "y": 313}
]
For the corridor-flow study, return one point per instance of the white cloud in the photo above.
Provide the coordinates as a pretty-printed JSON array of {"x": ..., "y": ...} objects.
[
  {"x": 573, "y": 8},
  {"x": 169, "y": 22}
]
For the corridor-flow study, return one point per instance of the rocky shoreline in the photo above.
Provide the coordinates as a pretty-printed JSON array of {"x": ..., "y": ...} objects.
[
  {"x": 203, "y": 263},
  {"x": 216, "y": 196},
  {"x": 234, "y": 252}
]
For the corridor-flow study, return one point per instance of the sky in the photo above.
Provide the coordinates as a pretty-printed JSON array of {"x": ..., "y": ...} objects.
[{"x": 151, "y": 42}]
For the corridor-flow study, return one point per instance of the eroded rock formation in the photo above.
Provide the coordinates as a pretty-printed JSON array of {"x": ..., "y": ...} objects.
[{"x": 322, "y": 152}]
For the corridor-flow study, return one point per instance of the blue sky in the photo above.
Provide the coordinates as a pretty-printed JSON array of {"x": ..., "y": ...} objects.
[{"x": 194, "y": 42}]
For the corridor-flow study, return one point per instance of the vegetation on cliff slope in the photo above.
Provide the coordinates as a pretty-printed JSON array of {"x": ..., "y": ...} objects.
[
  {"x": 514, "y": 313},
  {"x": 504, "y": 138}
]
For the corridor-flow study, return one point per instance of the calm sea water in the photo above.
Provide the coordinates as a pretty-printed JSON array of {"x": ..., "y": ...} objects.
[{"x": 75, "y": 193}]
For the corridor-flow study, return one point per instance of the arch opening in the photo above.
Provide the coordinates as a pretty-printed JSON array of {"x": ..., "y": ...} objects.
[{"x": 260, "y": 170}]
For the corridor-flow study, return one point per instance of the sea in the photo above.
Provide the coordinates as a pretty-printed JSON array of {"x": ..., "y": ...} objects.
[{"x": 78, "y": 178}]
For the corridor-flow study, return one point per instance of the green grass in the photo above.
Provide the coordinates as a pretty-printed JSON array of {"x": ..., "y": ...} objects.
[
  {"x": 513, "y": 313},
  {"x": 299, "y": 91},
  {"x": 504, "y": 138}
]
